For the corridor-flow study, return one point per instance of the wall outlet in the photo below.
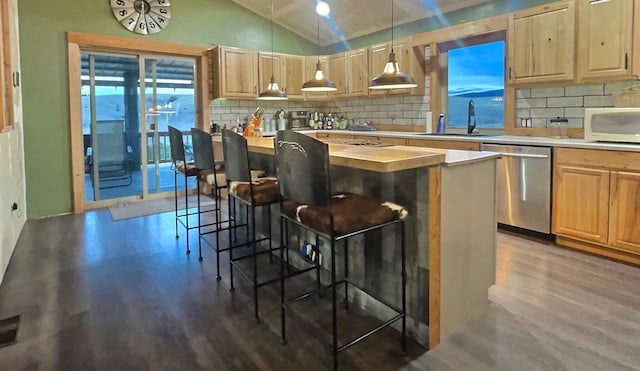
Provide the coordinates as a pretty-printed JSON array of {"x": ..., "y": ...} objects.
[{"x": 14, "y": 206}]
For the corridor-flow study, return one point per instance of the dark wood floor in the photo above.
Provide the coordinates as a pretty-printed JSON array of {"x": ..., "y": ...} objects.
[{"x": 101, "y": 295}]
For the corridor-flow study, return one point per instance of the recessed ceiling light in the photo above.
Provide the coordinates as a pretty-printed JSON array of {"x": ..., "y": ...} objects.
[{"x": 322, "y": 8}]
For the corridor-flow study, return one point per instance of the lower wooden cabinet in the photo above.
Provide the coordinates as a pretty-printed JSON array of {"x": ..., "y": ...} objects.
[
  {"x": 624, "y": 230},
  {"x": 581, "y": 203},
  {"x": 446, "y": 144},
  {"x": 596, "y": 201}
]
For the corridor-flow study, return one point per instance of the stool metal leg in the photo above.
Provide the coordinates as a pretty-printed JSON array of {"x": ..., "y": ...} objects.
[
  {"x": 317, "y": 262},
  {"x": 175, "y": 199},
  {"x": 255, "y": 261},
  {"x": 199, "y": 223},
  {"x": 231, "y": 211},
  {"x": 218, "y": 219},
  {"x": 334, "y": 315},
  {"x": 186, "y": 209},
  {"x": 269, "y": 226},
  {"x": 346, "y": 274},
  {"x": 283, "y": 222},
  {"x": 404, "y": 287}
]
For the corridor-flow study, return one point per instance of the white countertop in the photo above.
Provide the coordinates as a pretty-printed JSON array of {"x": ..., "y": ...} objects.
[{"x": 499, "y": 139}]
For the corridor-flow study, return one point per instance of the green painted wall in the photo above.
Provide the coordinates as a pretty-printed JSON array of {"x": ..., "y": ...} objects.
[
  {"x": 489, "y": 9},
  {"x": 43, "y": 52}
]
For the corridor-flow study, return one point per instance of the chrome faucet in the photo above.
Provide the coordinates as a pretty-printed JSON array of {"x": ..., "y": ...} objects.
[{"x": 471, "y": 112}]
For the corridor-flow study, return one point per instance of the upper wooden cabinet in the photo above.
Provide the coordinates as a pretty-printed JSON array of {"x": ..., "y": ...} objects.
[
  {"x": 604, "y": 39},
  {"x": 338, "y": 67},
  {"x": 357, "y": 73},
  {"x": 294, "y": 76},
  {"x": 269, "y": 64},
  {"x": 310, "y": 71},
  {"x": 234, "y": 72},
  {"x": 541, "y": 45},
  {"x": 407, "y": 60}
]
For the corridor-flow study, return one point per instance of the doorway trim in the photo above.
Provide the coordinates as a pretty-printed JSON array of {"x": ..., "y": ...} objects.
[{"x": 77, "y": 41}]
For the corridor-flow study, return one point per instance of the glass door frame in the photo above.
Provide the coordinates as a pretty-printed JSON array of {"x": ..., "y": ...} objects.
[{"x": 77, "y": 43}]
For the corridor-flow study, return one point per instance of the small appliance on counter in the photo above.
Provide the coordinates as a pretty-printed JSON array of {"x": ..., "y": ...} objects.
[
  {"x": 299, "y": 120},
  {"x": 612, "y": 124}
]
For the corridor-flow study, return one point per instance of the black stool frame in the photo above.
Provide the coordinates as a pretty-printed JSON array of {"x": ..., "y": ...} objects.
[
  {"x": 205, "y": 161},
  {"x": 237, "y": 168},
  {"x": 303, "y": 171},
  {"x": 176, "y": 143}
]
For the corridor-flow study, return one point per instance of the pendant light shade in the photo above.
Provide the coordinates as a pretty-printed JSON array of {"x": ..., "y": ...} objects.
[
  {"x": 319, "y": 82},
  {"x": 391, "y": 77},
  {"x": 273, "y": 91}
]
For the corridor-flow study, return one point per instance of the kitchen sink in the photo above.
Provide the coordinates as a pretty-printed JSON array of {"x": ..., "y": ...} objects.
[{"x": 459, "y": 135}]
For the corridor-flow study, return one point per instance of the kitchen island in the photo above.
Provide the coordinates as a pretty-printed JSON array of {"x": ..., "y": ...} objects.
[{"x": 450, "y": 231}]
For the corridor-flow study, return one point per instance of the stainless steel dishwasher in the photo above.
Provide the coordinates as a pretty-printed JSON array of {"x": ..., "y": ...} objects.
[{"x": 524, "y": 186}]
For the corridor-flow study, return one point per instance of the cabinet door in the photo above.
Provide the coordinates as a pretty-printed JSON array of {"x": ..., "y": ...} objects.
[
  {"x": 294, "y": 76},
  {"x": 581, "y": 203},
  {"x": 357, "y": 73},
  {"x": 541, "y": 44},
  {"x": 310, "y": 71},
  {"x": 338, "y": 67},
  {"x": 410, "y": 64},
  {"x": 624, "y": 222},
  {"x": 604, "y": 49},
  {"x": 268, "y": 64},
  {"x": 238, "y": 73},
  {"x": 378, "y": 57}
]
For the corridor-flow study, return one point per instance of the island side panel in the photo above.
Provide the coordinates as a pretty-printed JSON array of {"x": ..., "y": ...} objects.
[{"x": 468, "y": 242}]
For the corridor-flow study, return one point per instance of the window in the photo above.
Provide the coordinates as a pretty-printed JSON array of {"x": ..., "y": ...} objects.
[{"x": 473, "y": 75}]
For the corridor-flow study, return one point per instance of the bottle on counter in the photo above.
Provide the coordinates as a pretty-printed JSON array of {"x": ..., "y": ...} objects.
[{"x": 440, "y": 128}]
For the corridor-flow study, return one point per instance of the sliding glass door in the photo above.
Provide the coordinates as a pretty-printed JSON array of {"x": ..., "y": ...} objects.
[{"x": 128, "y": 102}]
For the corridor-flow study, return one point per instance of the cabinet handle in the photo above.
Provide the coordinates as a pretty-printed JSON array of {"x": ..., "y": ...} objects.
[
  {"x": 509, "y": 73},
  {"x": 626, "y": 61}
]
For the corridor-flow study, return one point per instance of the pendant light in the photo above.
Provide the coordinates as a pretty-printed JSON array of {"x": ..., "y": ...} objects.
[
  {"x": 319, "y": 82},
  {"x": 273, "y": 91},
  {"x": 391, "y": 77}
]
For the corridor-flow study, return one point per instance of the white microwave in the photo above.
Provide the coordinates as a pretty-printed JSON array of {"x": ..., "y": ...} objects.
[{"x": 612, "y": 124}]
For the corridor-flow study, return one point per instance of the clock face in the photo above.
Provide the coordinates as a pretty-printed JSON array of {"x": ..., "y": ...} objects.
[{"x": 142, "y": 16}]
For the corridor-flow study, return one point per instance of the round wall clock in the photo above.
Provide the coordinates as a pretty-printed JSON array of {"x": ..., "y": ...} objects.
[{"x": 142, "y": 16}]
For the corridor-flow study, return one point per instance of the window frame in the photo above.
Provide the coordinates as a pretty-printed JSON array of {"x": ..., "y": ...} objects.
[{"x": 442, "y": 87}]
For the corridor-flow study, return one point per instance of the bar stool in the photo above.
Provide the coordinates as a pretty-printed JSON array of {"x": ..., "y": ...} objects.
[
  {"x": 211, "y": 172},
  {"x": 253, "y": 193},
  {"x": 307, "y": 201},
  {"x": 188, "y": 170}
]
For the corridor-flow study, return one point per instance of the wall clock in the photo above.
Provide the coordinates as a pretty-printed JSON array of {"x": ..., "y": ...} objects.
[{"x": 142, "y": 16}]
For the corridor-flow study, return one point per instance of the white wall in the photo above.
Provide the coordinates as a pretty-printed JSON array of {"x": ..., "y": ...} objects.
[{"x": 12, "y": 187}]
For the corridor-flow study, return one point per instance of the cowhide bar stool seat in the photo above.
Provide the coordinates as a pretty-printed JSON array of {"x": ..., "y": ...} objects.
[{"x": 307, "y": 201}]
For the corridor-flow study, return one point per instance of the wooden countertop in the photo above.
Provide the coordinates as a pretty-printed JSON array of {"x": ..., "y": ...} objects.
[{"x": 380, "y": 159}]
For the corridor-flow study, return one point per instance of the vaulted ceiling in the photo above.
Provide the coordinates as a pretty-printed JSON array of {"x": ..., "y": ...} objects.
[{"x": 349, "y": 18}]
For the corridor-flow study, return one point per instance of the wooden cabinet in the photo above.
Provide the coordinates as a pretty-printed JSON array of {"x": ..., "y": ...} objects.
[
  {"x": 446, "y": 144},
  {"x": 294, "y": 76},
  {"x": 269, "y": 64},
  {"x": 624, "y": 221},
  {"x": 407, "y": 60},
  {"x": 6, "y": 86},
  {"x": 310, "y": 71},
  {"x": 234, "y": 72},
  {"x": 581, "y": 203},
  {"x": 357, "y": 73},
  {"x": 541, "y": 43},
  {"x": 604, "y": 50},
  {"x": 338, "y": 68},
  {"x": 596, "y": 201}
]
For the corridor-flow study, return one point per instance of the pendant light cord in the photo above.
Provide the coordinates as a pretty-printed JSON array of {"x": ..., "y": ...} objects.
[
  {"x": 318, "y": 38},
  {"x": 391, "y": 26},
  {"x": 272, "y": 60}
]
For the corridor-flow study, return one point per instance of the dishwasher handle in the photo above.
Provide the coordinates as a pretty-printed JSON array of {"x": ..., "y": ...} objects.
[{"x": 523, "y": 155}]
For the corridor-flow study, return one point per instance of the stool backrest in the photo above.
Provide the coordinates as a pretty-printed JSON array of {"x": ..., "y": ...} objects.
[
  {"x": 302, "y": 164},
  {"x": 236, "y": 157},
  {"x": 176, "y": 143},
  {"x": 202, "y": 150}
]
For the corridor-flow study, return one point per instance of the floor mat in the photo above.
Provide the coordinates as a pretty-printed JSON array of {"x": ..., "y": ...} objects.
[{"x": 149, "y": 207}]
